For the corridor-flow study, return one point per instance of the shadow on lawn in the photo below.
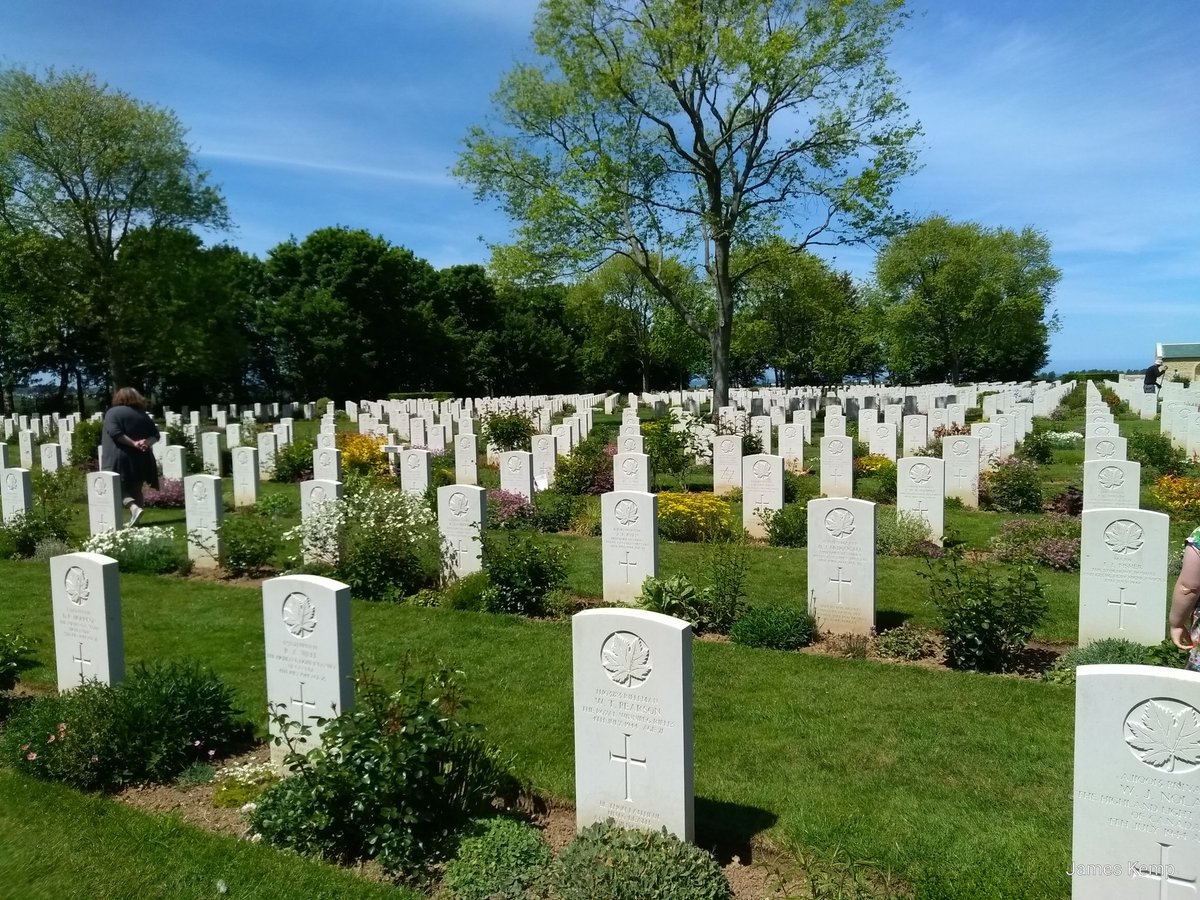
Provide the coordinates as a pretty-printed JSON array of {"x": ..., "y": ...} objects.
[{"x": 729, "y": 829}]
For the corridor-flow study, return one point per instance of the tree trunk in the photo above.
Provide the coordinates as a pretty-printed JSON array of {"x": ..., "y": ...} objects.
[{"x": 79, "y": 397}]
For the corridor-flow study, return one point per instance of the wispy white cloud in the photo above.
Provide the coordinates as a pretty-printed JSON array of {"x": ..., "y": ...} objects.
[{"x": 432, "y": 179}]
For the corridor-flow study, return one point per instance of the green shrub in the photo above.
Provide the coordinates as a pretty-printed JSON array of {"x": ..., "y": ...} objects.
[
  {"x": 150, "y": 727},
  {"x": 588, "y": 469},
  {"x": 507, "y": 431},
  {"x": 775, "y": 627},
  {"x": 1166, "y": 654},
  {"x": 14, "y": 656},
  {"x": 21, "y": 535},
  {"x": 142, "y": 551},
  {"x": 1052, "y": 540},
  {"x": 294, "y": 462},
  {"x": 248, "y": 542},
  {"x": 1155, "y": 451},
  {"x": 723, "y": 600},
  {"x": 553, "y": 510},
  {"x": 381, "y": 564},
  {"x": 606, "y": 862},
  {"x": 799, "y": 489},
  {"x": 908, "y": 641},
  {"x": 900, "y": 534},
  {"x": 1015, "y": 485},
  {"x": 467, "y": 593},
  {"x": 1111, "y": 651},
  {"x": 522, "y": 572},
  {"x": 49, "y": 548},
  {"x": 670, "y": 451},
  {"x": 85, "y": 442},
  {"x": 883, "y": 482},
  {"x": 1037, "y": 447},
  {"x": 787, "y": 527},
  {"x": 275, "y": 506},
  {"x": 394, "y": 779},
  {"x": 986, "y": 618},
  {"x": 503, "y": 860},
  {"x": 675, "y": 596}
]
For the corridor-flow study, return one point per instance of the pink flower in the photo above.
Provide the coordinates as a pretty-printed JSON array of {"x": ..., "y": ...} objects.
[
  {"x": 62, "y": 726},
  {"x": 31, "y": 756},
  {"x": 212, "y": 753},
  {"x": 195, "y": 743},
  {"x": 51, "y": 741},
  {"x": 24, "y": 747}
]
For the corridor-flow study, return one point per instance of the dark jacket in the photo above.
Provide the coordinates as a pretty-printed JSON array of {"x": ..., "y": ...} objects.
[{"x": 134, "y": 466}]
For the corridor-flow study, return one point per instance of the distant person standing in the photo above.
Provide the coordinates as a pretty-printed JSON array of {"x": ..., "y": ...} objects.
[
  {"x": 129, "y": 433},
  {"x": 1154, "y": 376}
]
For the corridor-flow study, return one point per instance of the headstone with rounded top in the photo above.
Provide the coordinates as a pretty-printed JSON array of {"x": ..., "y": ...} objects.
[
  {"x": 85, "y": 593},
  {"x": 204, "y": 509},
  {"x": 104, "y": 502},
  {"x": 462, "y": 518},
  {"x": 841, "y": 565},
  {"x": 629, "y": 543}
]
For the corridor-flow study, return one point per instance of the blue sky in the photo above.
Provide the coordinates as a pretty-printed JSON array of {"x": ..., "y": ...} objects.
[{"x": 1078, "y": 117}]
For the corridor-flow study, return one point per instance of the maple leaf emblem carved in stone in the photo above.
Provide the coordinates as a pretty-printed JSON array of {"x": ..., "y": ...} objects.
[
  {"x": 414, "y": 461},
  {"x": 299, "y": 615},
  {"x": 761, "y": 470},
  {"x": 1164, "y": 734},
  {"x": 1106, "y": 449},
  {"x": 920, "y": 473},
  {"x": 726, "y": 446},
  {"x": 99, "y": 486},
  {"x": 836, "y": 447},
  {"x": 75, "y": 583},
  {"x": 1111, "y": 477},
  {"x": 629, "y": 467},
  {"x": 626, "y": 512},
  {"x": 959, "y": 448},
  {"x": 458, "y": 504},
  {"x": 514, "y": 464},
  {"x": 1123, "y": 536},
  {"x": 199, "y": 491},
  {"x": 839, "y": 522},
  {"x": 626, "y": 659}
]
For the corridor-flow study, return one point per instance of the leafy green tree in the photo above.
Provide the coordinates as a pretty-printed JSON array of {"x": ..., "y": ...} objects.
[
  {"x": 350, "y": 315},
  {"x": 961, "y": 301},
  {"x": 688, "y": 129},
  {"x": 90, "y": 166}
]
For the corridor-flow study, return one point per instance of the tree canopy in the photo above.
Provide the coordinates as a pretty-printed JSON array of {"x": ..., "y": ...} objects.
[
  {"x": 961, "y": 301},
  {"x": 91, "y": 166},
  {"x": 661, "y": 128}
]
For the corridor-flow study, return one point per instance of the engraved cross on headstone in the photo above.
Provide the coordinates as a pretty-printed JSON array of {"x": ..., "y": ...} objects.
[
  {"x": 839, "y": 581},
  {"x": 303, "y": 704},
  {"x": 961, "y": 476},
  {"x": 627, "y": 564},
  {"x": 627, "y": 760},
  {"x": 1120, "y": 603},
  {"x": 922, "y": 508},
  {"x": 82, "y": 662},
  {"x": 1164, "y": 874}
]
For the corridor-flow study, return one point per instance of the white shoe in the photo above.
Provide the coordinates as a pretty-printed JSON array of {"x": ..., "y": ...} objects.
[{"x": 135, "y": 513}]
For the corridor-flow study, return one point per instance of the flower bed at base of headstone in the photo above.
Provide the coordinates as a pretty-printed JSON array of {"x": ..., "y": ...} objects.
[
  {"x": 150, "y": 727},
  {"x": 147, "y": 551},
  {"x": 693, "y": 517},
  {"x": 168, "y": 494}
]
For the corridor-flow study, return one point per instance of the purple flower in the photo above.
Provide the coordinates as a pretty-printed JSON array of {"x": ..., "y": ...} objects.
[{"x": 508, "y": 508}]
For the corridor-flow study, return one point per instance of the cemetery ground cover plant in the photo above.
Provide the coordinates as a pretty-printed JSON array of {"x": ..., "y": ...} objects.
[
  {"x": 168, "y": 494},
  {"x": 294, "y": 461},
  {"x": 362, "y": 454},
  {"x": 523, "y": 573},
  {"x": 249, "y": 541},
  {"x": 695, "y": 517},
  {"x": 149, "y": 550},
  {"x": 507, "y": 431},
  {"x": 396, "y": 779},
  {"x": 1014, "y": 485},
  {"x": 147, "y": 728},
  {"x": 1051, "y": 540},
  {"x": 14, "y": 655},
  {"x": 787, "y": 527}
]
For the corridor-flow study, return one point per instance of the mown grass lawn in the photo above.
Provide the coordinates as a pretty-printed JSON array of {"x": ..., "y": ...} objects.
[{"x": 959, "y": 783}]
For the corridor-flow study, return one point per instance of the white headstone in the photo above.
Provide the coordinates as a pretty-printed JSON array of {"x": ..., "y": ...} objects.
[
  {"x": 882, "y": 440},
  {"x": 629, "y": 543},
  {"x": 1123, "y": 575},
  {"x": 916, "y": 434},
  {"x": 631, "y": 472},
  {"x": 762, "y": 491},
  {"x": 727, "y": 463},
  {"x": 327, "y": 465},
  {"x": 415, "y": 471},
  {"x": 1112, "y": 484},
  {"x": 1104, "y": 448},
  {"x": 85, "y": 592},
  {"x": 51, "y": 455},
  {"x": 306, "y": 633},
  {"x": 204, "y": 508},
  {"x": 632, "y": 685},
  {"x": 466, "y": 459},
  {"x": 791, "y": 446},
  {"x": 210, "y": 451},
  {"x": 837, "y": 466},
  {"x": 268, "y": 444},
  {"x": 104, "y": 502},
  {"x": 245, "y": 476},
  {"x": 174, "y": 462},
  {"x": 960, "y": 453},
  {"x": 462, "y": 517},
  {"x": 545, "y": 460},
  {"x": 516, "y": 473},
  {"x": 16, "y": 493},
  {"x": 841, "y": 565},
  {"x": 1137, "y": 784},
  {"x": 920, "y": 492}
]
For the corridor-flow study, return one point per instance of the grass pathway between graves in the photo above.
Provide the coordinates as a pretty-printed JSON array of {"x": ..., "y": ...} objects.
[{"x": 959, "y": 783}]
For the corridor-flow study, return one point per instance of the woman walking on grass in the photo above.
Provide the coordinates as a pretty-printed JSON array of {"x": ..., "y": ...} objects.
[{"x": 129, "y": 433}]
